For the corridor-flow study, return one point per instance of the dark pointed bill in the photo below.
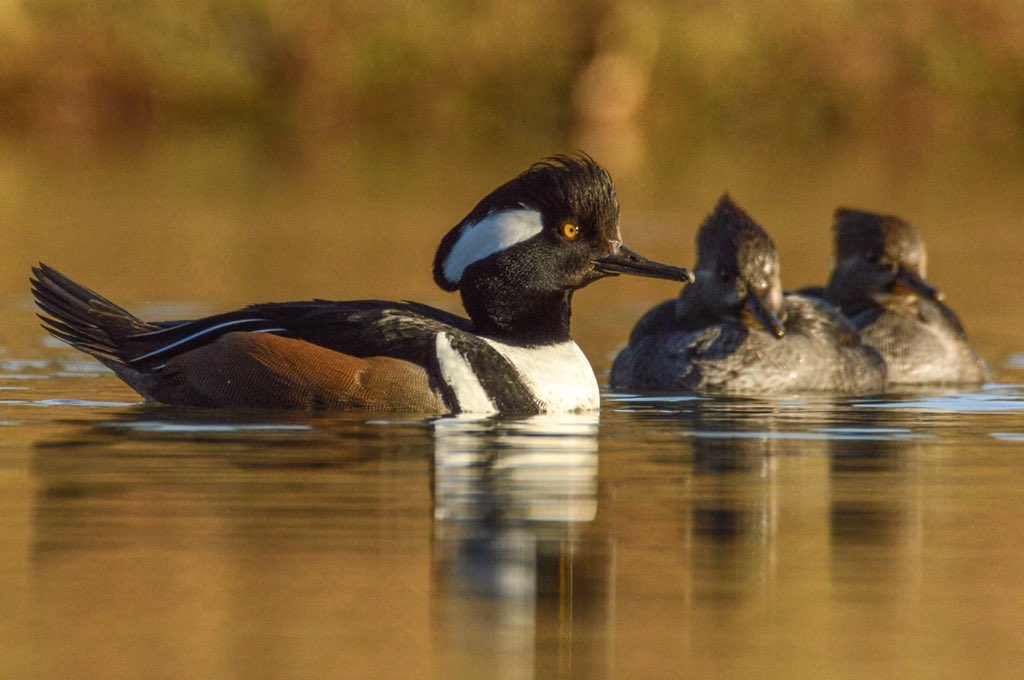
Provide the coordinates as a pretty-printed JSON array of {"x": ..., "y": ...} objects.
[
  {"x": 915, "y": 284},
  {"x": 625, "y": 261},
  {"x": 760, "y": 313}
]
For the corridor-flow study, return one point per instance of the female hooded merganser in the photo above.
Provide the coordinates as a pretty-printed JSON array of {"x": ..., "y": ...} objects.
[
  {"x": 879, "y": 283},
  {"x": 734, "y": 332},
  {"x": 516, "y": 259}
]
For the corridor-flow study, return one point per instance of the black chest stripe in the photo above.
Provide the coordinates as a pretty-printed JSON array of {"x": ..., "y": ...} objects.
[{"x": 498, "y": 377}]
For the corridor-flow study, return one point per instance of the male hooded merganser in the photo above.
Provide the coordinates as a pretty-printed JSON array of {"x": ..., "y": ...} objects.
[
  {"x": 879, "y": 283},
  {"x": 516, "y": 259},
  {"x": 733, "y": 330}
]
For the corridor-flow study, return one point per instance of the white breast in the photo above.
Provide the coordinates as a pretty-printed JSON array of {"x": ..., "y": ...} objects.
[{"x": 559, "y": 376}]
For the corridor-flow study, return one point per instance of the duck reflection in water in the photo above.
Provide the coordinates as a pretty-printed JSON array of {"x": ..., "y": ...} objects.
[
  {"x": 768, "y": 480},
  {"x": 734, "y": 511},
  {"x": 877, "y": 519},
  {"x": 516, "y": 566}
]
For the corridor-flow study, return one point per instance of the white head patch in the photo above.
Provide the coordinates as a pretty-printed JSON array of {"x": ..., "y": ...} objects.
[{"x": 492, "y": 234}]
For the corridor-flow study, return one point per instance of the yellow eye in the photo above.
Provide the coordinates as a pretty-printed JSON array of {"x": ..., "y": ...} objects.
[{"x": 570, "y": 230}]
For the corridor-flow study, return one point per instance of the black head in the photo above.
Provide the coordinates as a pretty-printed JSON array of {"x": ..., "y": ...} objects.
[
  {"x": 737, "y": 271},
  {"x": 880, "y": 260},
  {"x": 549, "y": 231}
]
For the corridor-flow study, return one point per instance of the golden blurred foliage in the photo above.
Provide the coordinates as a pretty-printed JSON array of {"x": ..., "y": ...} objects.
[{"x": 917, "y": 70}]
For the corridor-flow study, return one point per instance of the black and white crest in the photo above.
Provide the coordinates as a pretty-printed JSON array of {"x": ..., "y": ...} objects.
[{"x": 550, "y": 193}]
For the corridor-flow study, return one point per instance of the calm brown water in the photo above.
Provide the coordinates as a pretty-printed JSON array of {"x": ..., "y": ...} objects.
[{"x": 667, "y": 537}]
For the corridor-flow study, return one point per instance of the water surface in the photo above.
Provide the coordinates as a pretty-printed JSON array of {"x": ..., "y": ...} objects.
[{"x": 668, "y": 536}]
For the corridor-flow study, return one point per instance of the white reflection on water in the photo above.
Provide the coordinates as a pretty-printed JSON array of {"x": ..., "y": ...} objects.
[
  {"x": 826, "y": 434},
  {"x": 540, "y": 469},
  {"x": 1015, "y": 362},
  {"x": 74, "y": 403},
  {"x": 995, "y": 397},
  {"x": 18, "y": 365},
  {"x": 509, "y": 499},
  {"x": 1009, "y": 436},
  {"x": 159, "y": 426}
]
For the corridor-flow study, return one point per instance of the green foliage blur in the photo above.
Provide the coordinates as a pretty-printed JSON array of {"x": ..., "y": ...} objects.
[{"x": 922, "y": 70}]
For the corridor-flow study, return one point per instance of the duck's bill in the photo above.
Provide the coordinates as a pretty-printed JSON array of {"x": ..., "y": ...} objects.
[
  {"x": 755, "y": 312},
  {"x": 915, "y": 284},
  {"x": 625, "y": 261}
]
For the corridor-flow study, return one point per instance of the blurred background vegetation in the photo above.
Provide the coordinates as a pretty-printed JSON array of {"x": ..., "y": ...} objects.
[
  {"x": 227, "y": 151},
  {"x": 914, "y": 70}
]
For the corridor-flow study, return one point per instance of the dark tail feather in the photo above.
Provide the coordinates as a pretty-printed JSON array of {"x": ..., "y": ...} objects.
[{"x": 81, "y": 317}]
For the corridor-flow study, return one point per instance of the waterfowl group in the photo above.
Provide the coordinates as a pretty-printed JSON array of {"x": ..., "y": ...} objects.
[
  {"x": 734, "y": 330},
  {"x": 516, "y": 259},
  {"x": 877, "y": 322}
]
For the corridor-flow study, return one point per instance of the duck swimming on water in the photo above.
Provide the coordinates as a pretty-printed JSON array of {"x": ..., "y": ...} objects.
[
  {"x": 734, "y": 331},
  {"x": 516, "y": 259},
  {"x": 879, "y": 283}
]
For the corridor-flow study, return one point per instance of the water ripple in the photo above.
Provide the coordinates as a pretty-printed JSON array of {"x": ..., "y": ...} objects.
[
  {"x": 824, "y": 434},
  {"x": 992, "y": 398},
  {"x": 79, "y": 403},
  {"x": 168, "y": 427},
  {"x": 1008, "y": 436}
]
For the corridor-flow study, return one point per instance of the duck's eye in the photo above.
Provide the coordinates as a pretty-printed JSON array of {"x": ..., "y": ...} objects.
[{"x": 570, "y": 231}]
